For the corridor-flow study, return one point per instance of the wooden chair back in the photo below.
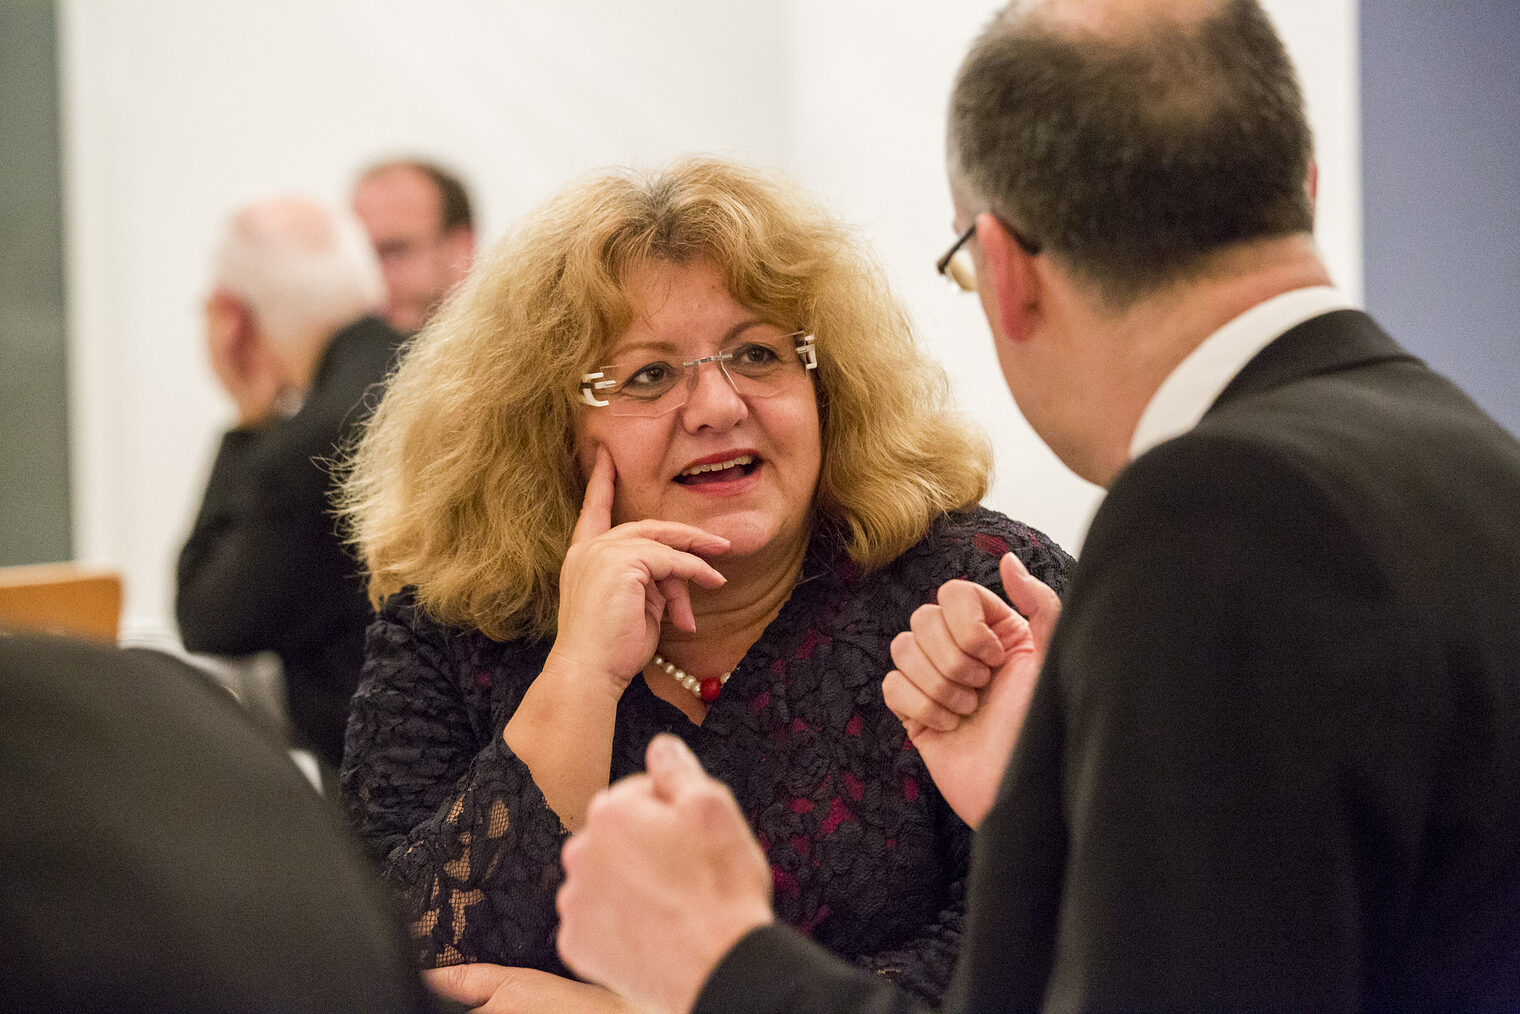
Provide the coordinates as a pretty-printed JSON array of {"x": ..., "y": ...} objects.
[{"x": 61, "y": 598}]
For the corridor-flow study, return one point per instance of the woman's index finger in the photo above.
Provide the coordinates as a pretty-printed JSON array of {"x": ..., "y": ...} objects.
[{"x": 596, "y": 507}]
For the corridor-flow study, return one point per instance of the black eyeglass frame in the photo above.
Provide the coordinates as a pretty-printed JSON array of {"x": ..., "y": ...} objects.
[{"x": 1029, "y": 246}]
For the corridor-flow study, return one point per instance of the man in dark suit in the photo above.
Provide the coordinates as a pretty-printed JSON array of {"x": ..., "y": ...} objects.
[
  {"x": 161, "y": 854},
  {"x": 293, "y": 342},
  {"x": 1273, "y": 757}
]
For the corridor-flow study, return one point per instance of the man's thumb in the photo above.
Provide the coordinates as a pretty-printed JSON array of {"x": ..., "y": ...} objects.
[
  {"x": 671, "y": 765},
  {"x": 1031, "y": 597}
]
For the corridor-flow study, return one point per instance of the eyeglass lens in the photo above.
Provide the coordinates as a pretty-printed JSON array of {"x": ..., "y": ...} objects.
[
  {"x": 755, "y": 369},
  {"x": 957, "y": 265},
  {"x": 962, "y": 270}
]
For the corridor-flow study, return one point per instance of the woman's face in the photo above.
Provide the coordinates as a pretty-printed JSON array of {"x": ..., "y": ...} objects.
[{"x": 758, "y": 456}]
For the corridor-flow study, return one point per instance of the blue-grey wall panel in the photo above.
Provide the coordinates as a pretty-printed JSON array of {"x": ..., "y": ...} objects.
[
  {"x": 1441, "y": 187},
  {"x": 34, "y": 467}
]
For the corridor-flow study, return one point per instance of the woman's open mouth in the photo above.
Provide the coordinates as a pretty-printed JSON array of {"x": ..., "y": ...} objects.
[{"x": 726, "y": 470}]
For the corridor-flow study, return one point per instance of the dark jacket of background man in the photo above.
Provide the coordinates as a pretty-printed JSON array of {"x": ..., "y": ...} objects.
[
  {"x": 291, "y": 339},
  {"x": 264, "y": 568}
]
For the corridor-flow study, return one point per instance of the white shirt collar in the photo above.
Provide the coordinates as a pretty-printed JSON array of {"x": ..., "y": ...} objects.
[{"x": 1198, "y": 380}]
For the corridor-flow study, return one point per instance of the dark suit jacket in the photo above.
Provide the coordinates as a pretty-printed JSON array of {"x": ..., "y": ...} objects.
[
  {"x": 264, "y": 568},
  {"x": 159, "y": 853},
  {"x": 1274, "y": 757}
]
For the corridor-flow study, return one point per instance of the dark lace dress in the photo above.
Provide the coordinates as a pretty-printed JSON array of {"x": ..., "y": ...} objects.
[{"x": 866, "y": 857}]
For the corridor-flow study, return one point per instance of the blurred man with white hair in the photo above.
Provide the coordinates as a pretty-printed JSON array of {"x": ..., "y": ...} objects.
[{"x": 294, "y": 340}]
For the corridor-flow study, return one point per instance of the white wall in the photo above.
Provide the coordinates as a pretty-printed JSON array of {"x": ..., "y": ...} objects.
[{"x": 176, "y": 110}]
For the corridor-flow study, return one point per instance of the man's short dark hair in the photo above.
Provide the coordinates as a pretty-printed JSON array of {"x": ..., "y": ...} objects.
[
  {"x": 1135, "y": 155},
  {"x": 454, "y": 200}
]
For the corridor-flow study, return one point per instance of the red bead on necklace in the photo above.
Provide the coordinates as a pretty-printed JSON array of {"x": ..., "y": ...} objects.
[{"x": 708, "y": 689}]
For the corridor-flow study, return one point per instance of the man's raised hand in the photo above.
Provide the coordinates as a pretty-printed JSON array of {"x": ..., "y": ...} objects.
[{"x": 965, "y": 672}]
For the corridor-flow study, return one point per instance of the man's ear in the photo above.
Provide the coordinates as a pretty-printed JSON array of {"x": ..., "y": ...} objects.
[
  {"x": 1311, "y": 182},
  {"x": 1013, "y": 286},
  {"x": 229, "y": 321},
  {"x": 236, "y": 343}
]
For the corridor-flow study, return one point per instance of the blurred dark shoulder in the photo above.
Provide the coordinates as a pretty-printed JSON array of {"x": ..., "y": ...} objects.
[{"x": 147, "y": 816}]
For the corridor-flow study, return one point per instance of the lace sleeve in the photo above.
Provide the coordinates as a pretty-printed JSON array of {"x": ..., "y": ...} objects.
[{"x": 462, "y": 833}]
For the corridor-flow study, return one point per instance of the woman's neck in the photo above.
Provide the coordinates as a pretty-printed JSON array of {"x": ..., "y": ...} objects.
[{"x": 731, "y": 618}]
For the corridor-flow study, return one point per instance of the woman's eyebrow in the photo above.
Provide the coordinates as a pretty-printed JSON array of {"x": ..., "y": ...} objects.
[
  {"x": 739, "y": 329},
  {"x": 665, "y": 346}
]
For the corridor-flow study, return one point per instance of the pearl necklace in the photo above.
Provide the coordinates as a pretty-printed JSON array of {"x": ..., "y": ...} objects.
[{"x": 707, "y": 689}]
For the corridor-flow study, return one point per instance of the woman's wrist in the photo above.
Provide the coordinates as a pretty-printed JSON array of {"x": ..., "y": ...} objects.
[
  {"x": 580, "y": 676},
  {"x": 562, "y": 731},
  {"x": 564, "y": 707}
]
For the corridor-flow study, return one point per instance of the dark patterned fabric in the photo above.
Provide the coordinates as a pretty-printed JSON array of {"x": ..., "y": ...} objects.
[{"x": 867, "y": 858}]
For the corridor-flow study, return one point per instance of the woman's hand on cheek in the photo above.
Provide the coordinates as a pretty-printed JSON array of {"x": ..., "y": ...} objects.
[{"x": 617, "y": 584}]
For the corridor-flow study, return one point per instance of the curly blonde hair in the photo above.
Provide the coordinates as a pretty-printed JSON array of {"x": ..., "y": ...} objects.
[{"x": 464, "y": 484}]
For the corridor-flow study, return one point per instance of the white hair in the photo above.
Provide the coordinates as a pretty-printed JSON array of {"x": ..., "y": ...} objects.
[{"x": 303, "y": 268}]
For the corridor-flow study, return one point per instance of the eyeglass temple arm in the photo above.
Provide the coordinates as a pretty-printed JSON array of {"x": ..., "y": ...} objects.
[
  {"x": 590, "y": 384},
  {"x": 806, "y": 349}
]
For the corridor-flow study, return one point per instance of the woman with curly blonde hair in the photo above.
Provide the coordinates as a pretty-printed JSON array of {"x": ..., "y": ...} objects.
[{"x": 669, "y": 460}]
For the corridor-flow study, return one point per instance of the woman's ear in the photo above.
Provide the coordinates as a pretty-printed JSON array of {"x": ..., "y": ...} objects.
[{"x": 1009, "y": 285}]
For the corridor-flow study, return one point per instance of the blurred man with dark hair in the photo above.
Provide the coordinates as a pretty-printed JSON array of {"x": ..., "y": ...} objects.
[
  {"x": 294, "y": 342},
  {"x": 419, "y": 220},
  {"x": 1272, "y": 756}
]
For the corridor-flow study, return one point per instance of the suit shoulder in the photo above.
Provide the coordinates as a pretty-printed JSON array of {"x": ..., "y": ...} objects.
[
  {"x": 1216, "y": 472},
  {"x": 1223, "y": 501}
]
